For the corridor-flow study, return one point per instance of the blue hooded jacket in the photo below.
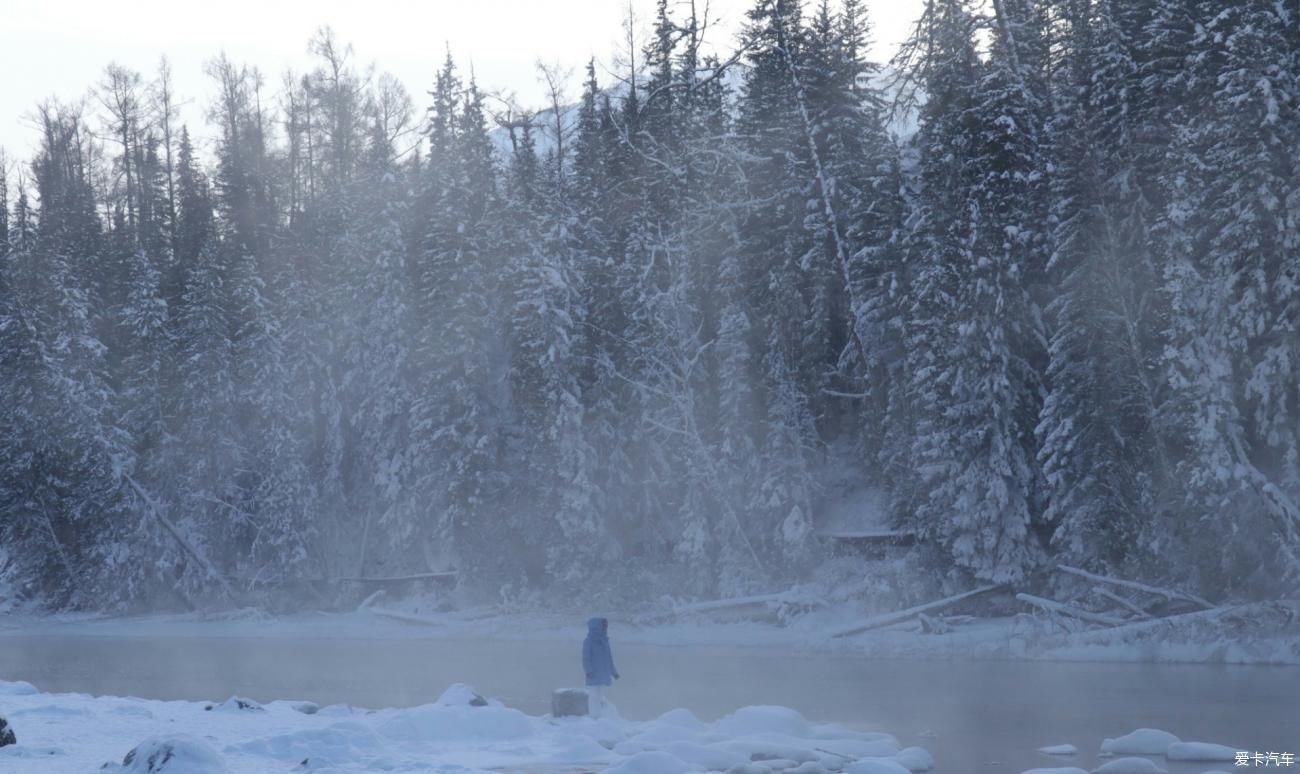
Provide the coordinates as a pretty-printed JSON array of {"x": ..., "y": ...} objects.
[{"x": 597, "y": 658}]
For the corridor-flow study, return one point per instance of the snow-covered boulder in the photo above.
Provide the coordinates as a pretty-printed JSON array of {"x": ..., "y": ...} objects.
[
  {"x": 461, "y": 695},
  {"x": 1200, "y": 751},
  {"x": 7, "y": 736},
  {"x": 178, "y": 754},
  {"x": 569, "y": 702},
  {"x": 18, "y": 688},
  {"x": 762, "y": 720},
  {"x": 1059, "y": 749},
  {"x": 1144, "y": 741},
  {"x": 1129, "y": 766},
  {"x": 236, "y": 704},
  {"x": 915, "y": 758},
  {"x": 876, "y": 766}
]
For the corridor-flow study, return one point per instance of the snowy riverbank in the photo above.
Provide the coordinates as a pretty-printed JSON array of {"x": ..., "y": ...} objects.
[
  {"x": 69, "y": 733},
  {"x": 1263, "y": 633}
]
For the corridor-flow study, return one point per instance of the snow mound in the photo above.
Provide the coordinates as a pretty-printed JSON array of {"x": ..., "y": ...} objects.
[
  {"x": 762, "y": 719},
  {"x": 1200, "y": 751},
  {"x": 651, "y": 762},
  {"x": 1059, "y": 749},
  {"x": 339, "y": 743},
  {"x": 461, "y": 695},
  {"x": 432, "y": 723},
  {"x": 876, "y": 766},
  {"x": 237, "y": 704},
  {"x": 178, "y": 754},
  {"x": 1144, "y": 741},
  {"x": 18, "y": 688},
  {"x": 915, "y": 759},
  {"x": 1129, "y": 766}
]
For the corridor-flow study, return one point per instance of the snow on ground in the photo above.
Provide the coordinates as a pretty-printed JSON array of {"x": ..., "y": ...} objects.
[{"x": 66, "y": 733}]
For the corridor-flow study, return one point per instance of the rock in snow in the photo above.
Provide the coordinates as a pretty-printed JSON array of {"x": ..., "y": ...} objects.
[
  {"x": 7, "y": 736},
  {"x": 1129, "y": 766},
  {"x": 1144, "y": 741},
  {"x": 1200, "y": 751},
  {"x": 173, "y": 755},
  {"x": 1059, "y": 749},
  {"x": 568, "y": 702},
  {"x": 461, "y": 695}
]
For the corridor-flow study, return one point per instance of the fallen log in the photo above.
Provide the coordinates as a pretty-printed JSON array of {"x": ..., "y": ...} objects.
[
  {"x": 756, "y": 600},
  {"x": 1134, "y": 585},
  {"x": 398, "y": 615},
  {"x": 912, "y": 612},
  {"x": 1105, "y": 593},
  {"x": 1053, "y": 606}
]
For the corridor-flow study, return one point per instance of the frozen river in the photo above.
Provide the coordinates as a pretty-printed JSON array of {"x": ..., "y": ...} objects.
[{"x": 975, "y": 716}]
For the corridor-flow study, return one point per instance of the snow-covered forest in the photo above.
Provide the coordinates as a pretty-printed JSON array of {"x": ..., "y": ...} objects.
[{"x": 1037, "y": 281}]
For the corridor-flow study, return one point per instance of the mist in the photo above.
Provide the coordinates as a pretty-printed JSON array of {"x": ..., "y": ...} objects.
[{"x": 783, "y": 372}]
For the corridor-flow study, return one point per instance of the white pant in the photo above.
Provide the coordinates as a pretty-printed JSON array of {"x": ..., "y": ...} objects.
[{"x": 596, "y": 700}]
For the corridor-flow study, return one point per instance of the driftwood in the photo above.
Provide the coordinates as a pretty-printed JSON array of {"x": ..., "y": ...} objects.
[
  {"x": 1105, "y": 593},
  {"x": 1135, "y": 586},
  {"x": 398, "y": 615},
  {"x": 370, "y": 600},
  {"x": 729, "y": 604},
  {"x": 1058, "y": 607},
  {"x": 912, "y": 612}
]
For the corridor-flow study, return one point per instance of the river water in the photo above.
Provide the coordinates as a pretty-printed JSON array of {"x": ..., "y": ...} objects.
[{"x": 975, "y": 716}]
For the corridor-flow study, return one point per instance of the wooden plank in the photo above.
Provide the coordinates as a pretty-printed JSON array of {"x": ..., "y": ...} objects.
[
  {"x": 912, "y": 612},
  {"x": 1135, "y": 586},
  {"x": 1053, "y": 606}
]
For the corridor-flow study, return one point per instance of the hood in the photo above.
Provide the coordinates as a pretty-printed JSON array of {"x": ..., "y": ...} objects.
[{"x": 597, "y": 626}]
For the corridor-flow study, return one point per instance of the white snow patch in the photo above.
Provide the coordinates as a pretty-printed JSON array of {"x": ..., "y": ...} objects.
[
  {"x": 1059, "y": 749},
  {"x": 1200, "y": 751},
  {"x": 1144, "y": 741},
  {"x": 1129, "y": 766}
]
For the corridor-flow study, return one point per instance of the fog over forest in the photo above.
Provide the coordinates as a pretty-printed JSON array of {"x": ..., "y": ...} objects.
[{"x": 1030, "y": 292}]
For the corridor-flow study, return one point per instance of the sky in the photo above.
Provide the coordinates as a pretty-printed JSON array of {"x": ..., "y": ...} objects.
[{"x": 52, "y": 48}]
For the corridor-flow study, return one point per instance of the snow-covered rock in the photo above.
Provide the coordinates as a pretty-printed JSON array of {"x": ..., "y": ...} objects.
[
  {"x": 1129, "y": 766},
  {"x": 915, "y": 759},
  {"x": 461, "y": 695},
  {"x": 876, "y": 766},
  {"x": 1200, "y": 751},
  {"x": 1059, "y": 749},
  {"x": 236, "y": 704},
  {"x": 179, "y": 754},
  {"x": 7, "y": 736},
  {"x": 569, "y": 702},
  {"x": 762, "y": 719},
  {"x": 1144, "y": 741},
  {"x": 18, "y": 688}
]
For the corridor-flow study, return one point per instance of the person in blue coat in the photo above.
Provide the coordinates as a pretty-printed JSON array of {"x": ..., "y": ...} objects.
[{"x": 598, "y": 664}]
